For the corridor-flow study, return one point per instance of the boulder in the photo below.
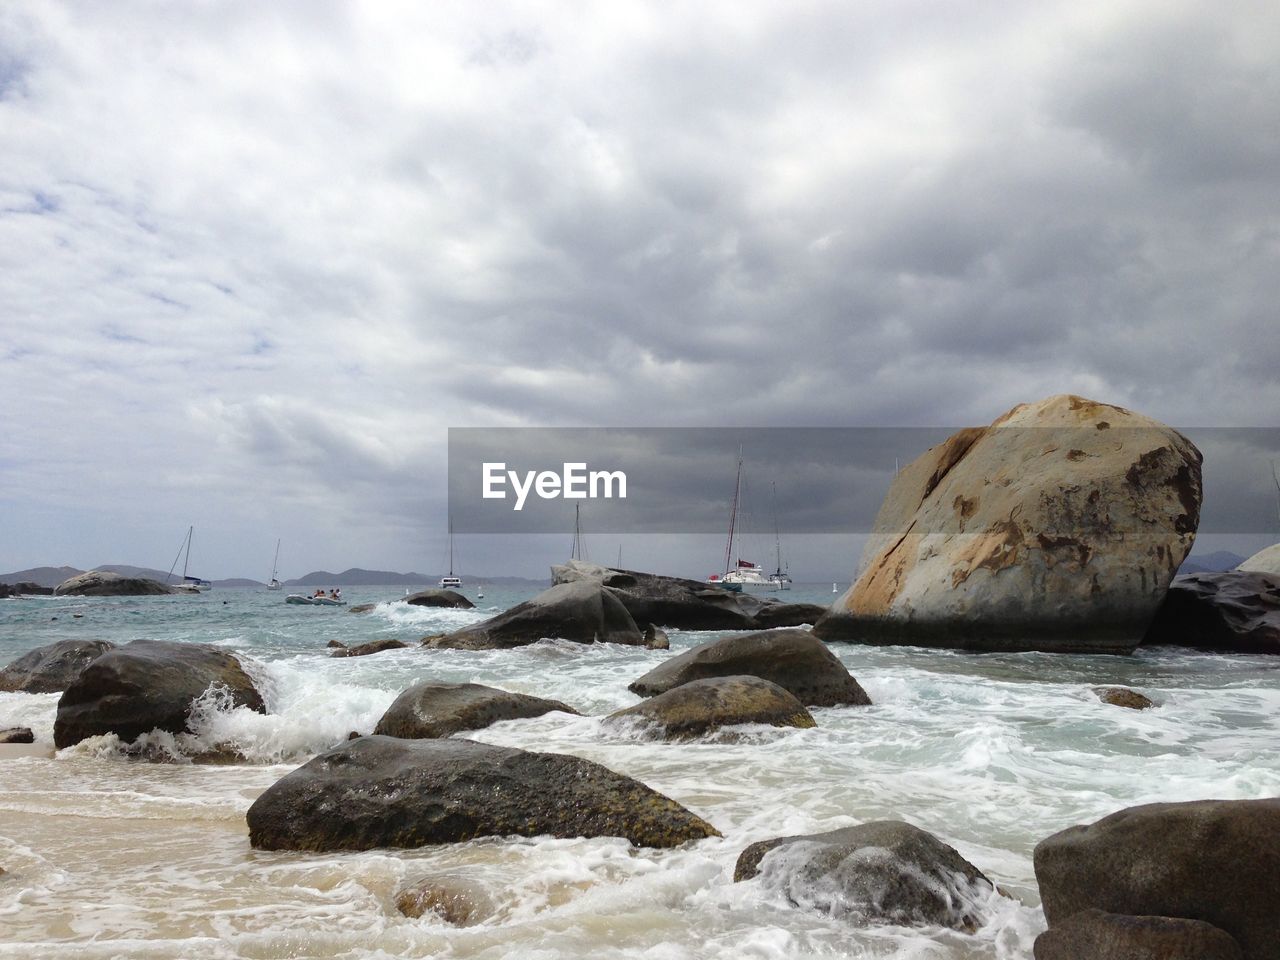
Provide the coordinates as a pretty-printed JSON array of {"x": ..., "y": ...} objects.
[
  {"x": 1232, "y": 612},
  {"x": 361, "y": 608},
  {"x": 701, "y": 706},
  {"x": 24, "y": 589},
  {"x": 336, "y": 645},
  {"x": 1058, "y": 528},
  {"x": 373, "y": 646},
  {"x": 681, "y": 604},
  {"x": 1124, "y": 697},
  {"x": 1264, "y": 561},
  {"x": 439, "y": 598},
  {"x": 17, "y": 735},
  {"x": 1095, "y": 935},
  {"x": 886, "y": 871},
  {"x": 583, "y": 612},
  {"x": 385, "y": 792},
  {"x": 795, "y": 660},
  {"x": 655, "y": 638},
  {"x": 53, "y": 667},
  {"x": 147, "y": 685},
  {"x": 103, "y": 583},
  {"x": 454, "y": 900},
  {"x": 1212, "y": 860},
  {"x": 432, "y": 709}
]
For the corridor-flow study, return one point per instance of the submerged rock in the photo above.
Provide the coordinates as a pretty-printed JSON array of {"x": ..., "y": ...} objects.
[
  {"x": 583, "y": 612},
  {"x": 1232, "y": 612},
  {"x": 385, "y": 792},
  {"x": 439, "y": 598},
  {"x": 361, "y": 608},
  {"x": 373, "y": 646},
  {"x": 1124, "y": 697},
  {"x": 51, "y": 668},
  {"x": 1094, "y": 935},
  {"x": 1212, "y": 860},
  {"x": 17, "y": 735},
  {"x": 454, "y": 900},
  {"x": 795, "y": 660},
  {"x": 148, "y": 685},
  {"x": 433, "y": 709},
  {"x": 655, "y": 638},
  {"x": 103, "y": 583},
  {"x": 1057, "y": 528},
  {"x": 881, "y": 872},
  {"x": 702, "y": 706}
]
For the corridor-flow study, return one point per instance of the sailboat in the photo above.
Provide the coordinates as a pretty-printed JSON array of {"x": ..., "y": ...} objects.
[
  {"x": 579, "y": 550},
  {"x": 275, "y": 581},
  {"x": 451, "y": 582},
  {"x": 734, "y": 578},
  {"x": 189, "y": 583},
  {"x": 780, "y": 579}
]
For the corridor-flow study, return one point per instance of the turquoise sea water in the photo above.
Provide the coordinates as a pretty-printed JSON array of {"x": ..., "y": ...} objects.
[{"x": 110, "y": 857}]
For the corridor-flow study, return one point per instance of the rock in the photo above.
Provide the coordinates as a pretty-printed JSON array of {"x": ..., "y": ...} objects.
[
  {"x": 51, "y": 668},
  {"x": 682, "y": 604},
  {"x": 24, "y": 589},
  {"x": 453, "y": 899},
  {"x": 701, "y": 706},
  {"x": 795, "y": 660},
  {"x": 1212, "y": 860},
  {"x": 147, "y": 685},
  {"x": 583, "y": 612},
  {"x": 1058, "y": 528},
  {"x": 432, "y": 709},
  {"x": 336, "y": 645},
  {"x": 439, "y": 598},
  {"x": 361, "y": 608},
  {"x": 1264, "y": 561},
  {"x": 886, "y": 871},
  {"x": 17, "y": 735},
  {"x": 102, "y": 583},
  {"x": 386, "y": 792},
  {"x": 1094, "y": 935},
  {"x": 1123, "y": 697},
  {"x": 655, "y": 638},
  {"x": 373, "y": 646},
  {"x": 1232, "y": 612}
]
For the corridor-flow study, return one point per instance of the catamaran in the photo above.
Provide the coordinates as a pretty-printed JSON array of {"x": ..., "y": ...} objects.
[{"x": 189, "y": 584}]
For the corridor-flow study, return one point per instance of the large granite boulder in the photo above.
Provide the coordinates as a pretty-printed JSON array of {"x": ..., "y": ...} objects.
[
  {"x": 886, "y": 871},
  {"x": 676, "y": 603},
  {"x": 1095, "y": 935},
  {"x": 1057, "y": 528},
  {"x": 584, "y": 612},
  {"x": 103, "y": 583},
  {"x": 433, "y": 709},
  {"x": 439, "y": 598},
  {"x": 795, "y": 660},
  {"x": 51, "y": 668},
  {"x": 1212, "y": 860},
  {"x": 1264, "y": 561},
  {"x": 1233, "y": 612},
  {"x": 386, "y": 792},
  {"x": 701, "y": 706},
  {"x": 147, "y": 685}
]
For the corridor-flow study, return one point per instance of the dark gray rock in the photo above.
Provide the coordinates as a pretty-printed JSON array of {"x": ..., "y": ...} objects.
[
  {"x": 655, "y": 638},
  {"x": 147, "y": 685},
  {"x": 102, "y": 583},
  {"x": 1124, "y": 697},
  {"x": 361, "y": 608},
  {"x": 795, "y": 660},
  {"x": 1094, "y": 935},
  {"x": 440, "y": 709},
  {"x": 373, "y": 646},
  {"x": 1212, "y": 860},
  {"x": 51, "y": 668},
  {"x": 701, "y": 706},
  {"x": 386, "y": 792},
  {"x": 583, "y": 612},
  {"x": 881, "y": 872},
  {"x": 1232, "y": 612},
  {"x": 439, "y": 598},
  {"x": 24, "y": 589},
  {"x": 17, "y": 735}
]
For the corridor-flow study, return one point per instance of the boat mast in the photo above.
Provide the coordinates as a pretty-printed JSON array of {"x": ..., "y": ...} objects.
[
  {"x": 451, "y": 545},
  {"x": 576, "y": 552},
  {"x": 777, "y": 535},
  {"x": 276, "y": 561},
  {"x": 733, "y": 515},
  {"x": 185, "y": 559}
]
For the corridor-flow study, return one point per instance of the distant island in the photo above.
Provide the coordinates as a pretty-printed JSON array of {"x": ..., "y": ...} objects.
[{"x": 352, "y": 577}]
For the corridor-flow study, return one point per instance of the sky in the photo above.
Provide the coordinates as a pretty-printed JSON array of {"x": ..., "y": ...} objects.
[{"x": 257, "y": 259}]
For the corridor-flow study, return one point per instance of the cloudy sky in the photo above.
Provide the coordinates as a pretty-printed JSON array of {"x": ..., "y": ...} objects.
[{"x": 256, "y": 259}]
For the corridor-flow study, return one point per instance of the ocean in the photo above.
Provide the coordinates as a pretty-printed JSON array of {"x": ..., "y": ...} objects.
[{"x": 111, "y": 857}]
